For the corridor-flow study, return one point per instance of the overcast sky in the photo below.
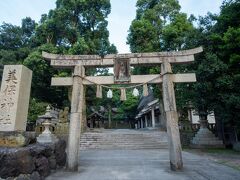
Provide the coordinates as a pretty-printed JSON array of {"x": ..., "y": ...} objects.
[{"x": 122, "y": 13}]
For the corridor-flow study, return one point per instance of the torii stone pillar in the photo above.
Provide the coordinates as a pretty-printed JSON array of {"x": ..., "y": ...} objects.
[
  {"x": 172, "y": 117},
  {"x": 75, "y": 118}
]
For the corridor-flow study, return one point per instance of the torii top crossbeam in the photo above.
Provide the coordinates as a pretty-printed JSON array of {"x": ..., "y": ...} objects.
[{"x": 69, "y": 61}]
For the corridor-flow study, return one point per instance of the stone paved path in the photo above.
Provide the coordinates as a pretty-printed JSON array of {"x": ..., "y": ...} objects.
[{"x": 144, "y": 165}]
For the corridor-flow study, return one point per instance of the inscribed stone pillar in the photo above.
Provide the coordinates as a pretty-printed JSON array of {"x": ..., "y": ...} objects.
[
  {"x": 172, "y": 117},
  {"x": 153, "y": 117},
  {"x": 75, "y": 119},
  {"x": 14, "y": 97}
]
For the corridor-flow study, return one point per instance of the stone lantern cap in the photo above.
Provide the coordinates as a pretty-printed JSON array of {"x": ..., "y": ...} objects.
[{"x": 47, "y": 115}]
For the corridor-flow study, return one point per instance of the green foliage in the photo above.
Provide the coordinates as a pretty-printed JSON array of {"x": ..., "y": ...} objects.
[
  {"x": 36, "y": 108},
  {"x": 80, "y": 47},
  {"x": 159, "y": 26},
  {"x": 79, "y": 26},
  {"x": 127, "y": 110},
  {"x": 13, "y": 37},
  {"x": 42, "y": 73},
  {"x": 10, "y": 36},
  {"x": 175, "y": 33},
  {"x": 143, "y": 36},
  {"x": 157, "y": 11}
]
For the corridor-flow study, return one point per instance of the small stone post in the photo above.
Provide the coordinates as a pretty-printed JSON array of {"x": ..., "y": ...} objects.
[
  {"x": 172, "y": 117},
  {"x": 162, "y": 116},
  {"x": 139, "y": 126},
  {"x": 153, "y": 117},
  {"x": 109, "y": 117},
  {"x": 146, "y": 121},
  {"x": 141, "y": 122},
  {"x": 75, "y": 119}
]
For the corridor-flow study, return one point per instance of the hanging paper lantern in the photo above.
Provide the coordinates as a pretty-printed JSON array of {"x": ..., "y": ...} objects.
[
  {"x": 123, "y": 94},
  {"x": 109, "y": 93},
  {"x": 135, "y": 92},
  {"x": 99, "y": 91},
  {"x": 145, "y": 90}
]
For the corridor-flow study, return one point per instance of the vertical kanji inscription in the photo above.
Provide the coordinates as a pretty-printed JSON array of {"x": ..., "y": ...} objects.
[{"x": 14, "y": 97}]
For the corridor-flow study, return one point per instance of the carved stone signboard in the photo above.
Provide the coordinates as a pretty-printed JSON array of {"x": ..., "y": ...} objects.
[
  {"x": 14, "y": 97},
  {"x": 121, "y": 70}
]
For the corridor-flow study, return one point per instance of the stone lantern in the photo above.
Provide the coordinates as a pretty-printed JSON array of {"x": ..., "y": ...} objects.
[
  {"x": 47, "y": 136},
  {"x": 204, "y": 138}
]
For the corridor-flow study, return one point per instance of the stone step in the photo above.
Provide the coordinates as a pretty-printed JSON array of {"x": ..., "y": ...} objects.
[
  {"x": 124, "y": 139},
  {"x": 124, "y": 142},
  {"x": 96, "y": 144},
  {"x": 152, "y": 143},
  {"x": 205, "y": 135},
  {"x": 120, "y": 137},
  {"x": 127, "y": 139},
  {"x": 128, "y": 143},
  {"x": 205, "y": 138},
  {"x": 124, "y": 147},
  {"x": 134, "y": 135},
  {"x": 206, "y": 142},
  {"x": 116, "y": 147},
  {"x": 102, "y": 144}
]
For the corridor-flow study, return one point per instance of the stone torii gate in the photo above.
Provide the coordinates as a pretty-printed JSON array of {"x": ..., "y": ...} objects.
[{"x": 167, "y": 78}]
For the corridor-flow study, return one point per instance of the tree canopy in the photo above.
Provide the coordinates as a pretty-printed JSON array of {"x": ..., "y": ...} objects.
[{"x": 161, "y": 26}]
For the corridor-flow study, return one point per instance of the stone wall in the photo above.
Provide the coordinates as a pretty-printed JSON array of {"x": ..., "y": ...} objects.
[{"x": 34, "y": 161}]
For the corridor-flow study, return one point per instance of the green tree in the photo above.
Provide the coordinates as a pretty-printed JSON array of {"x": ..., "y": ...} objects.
[
  {"x": 157, "y": 24},
  {"x": 10, "y": 37},
  {"x": 160, "y": 26},
  {"x": 79, "y": 26}
]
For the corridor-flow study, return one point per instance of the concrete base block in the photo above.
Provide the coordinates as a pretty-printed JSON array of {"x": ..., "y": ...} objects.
[{"x": 206, "y": 139}]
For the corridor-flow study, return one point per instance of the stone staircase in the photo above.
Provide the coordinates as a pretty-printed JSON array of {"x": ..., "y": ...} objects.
[{"x": 124, "y": 139}]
